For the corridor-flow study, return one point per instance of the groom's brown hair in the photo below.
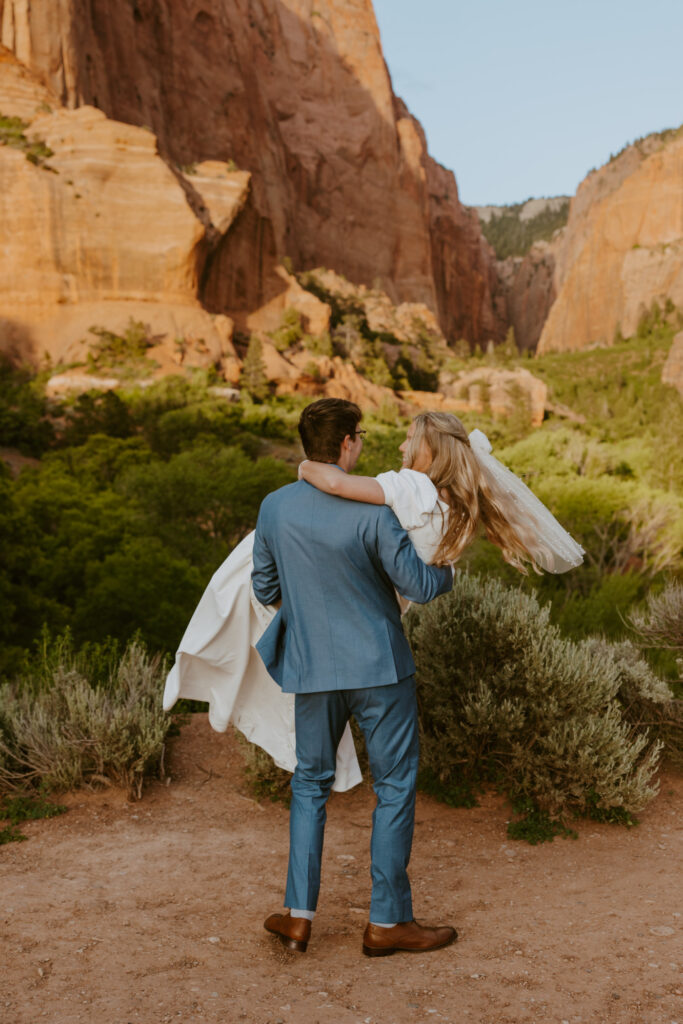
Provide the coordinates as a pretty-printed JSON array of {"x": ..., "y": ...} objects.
[{"x": 324, "y": 425}]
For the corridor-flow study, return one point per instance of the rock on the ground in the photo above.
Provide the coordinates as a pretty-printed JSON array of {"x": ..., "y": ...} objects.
[
  {"x": 335, "y": 378},
  {"x": 498, "y": 390}
]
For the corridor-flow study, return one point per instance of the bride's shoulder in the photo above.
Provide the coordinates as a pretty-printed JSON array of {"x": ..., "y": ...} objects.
[{"x": 408, "y": 487}]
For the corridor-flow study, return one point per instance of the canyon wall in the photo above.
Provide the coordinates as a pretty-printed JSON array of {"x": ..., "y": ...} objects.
[
  {"x": 526, "y": 286},
  {"x": 622, "y": 248},
  {"x": 96, "y": 229},
  {"x": 297, "y": 94}
]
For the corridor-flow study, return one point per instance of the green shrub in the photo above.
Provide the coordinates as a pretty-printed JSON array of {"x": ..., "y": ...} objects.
[
  {"x": 172, "y": 392},
  {"x": 646, "y": 700},
  {"x": 602, "y": 609},
  {"x": 566, "y": 729},
  {"x": 375, "y": 369},
  {"x": 536, "y": 826},
  {"x": 124, "y": 354},
  {"x": 503, "y": 696},
  {"x": 619, "y": 391},
  {"x": 265, "y": 780},
  {"x": 98, "y": 662},
  {"x": 15, "y": 809},
  {"x": 621, "y": 524},
  {"x": 318, "y": 344},
  {"x": 13, "y": 133},
  {"x": 380, "y": 448},
  {"x": 11, "y": 834},
  {"x": 659, "y": 629},
  {"x": 290, "y": 331},
  {"x": 660, "y": 624},
  {"x": 59, "y": 731},
  {"x": 341, "y": 306}
]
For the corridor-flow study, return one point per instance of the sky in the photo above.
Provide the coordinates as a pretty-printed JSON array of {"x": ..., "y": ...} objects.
[{"x": 523, "y": 98}]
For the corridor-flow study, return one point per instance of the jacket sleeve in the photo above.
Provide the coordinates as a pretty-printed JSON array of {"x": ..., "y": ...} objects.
[
  {"x": 264, "y": 575},
  {"x": 413, "y": 578}
]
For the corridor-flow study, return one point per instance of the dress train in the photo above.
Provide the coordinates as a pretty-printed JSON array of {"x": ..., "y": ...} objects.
[{"x": 216, "y": 662}]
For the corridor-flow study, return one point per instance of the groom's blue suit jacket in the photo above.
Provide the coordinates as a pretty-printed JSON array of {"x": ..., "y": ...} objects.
[{"x": 335, "y": 564}]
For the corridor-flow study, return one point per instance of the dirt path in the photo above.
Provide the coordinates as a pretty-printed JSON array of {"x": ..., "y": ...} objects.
[{"x": 153, "y": 912}]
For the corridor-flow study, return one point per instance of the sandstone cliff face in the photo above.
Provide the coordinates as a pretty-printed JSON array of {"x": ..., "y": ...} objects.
[
  {"x": 622, "y": 248},
  {"x": 103, "y": 230},
  {"x": 22, "y": 95},
  {"x": 297, "y": 93}
]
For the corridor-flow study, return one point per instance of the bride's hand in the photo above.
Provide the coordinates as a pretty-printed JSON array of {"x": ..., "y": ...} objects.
[{"x": 300, "y": 474}]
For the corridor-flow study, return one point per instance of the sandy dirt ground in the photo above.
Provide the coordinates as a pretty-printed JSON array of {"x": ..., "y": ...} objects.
[{"x": 119, "y": 913}]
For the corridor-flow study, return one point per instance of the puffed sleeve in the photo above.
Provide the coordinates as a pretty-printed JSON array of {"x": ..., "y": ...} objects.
[{"x": 410, "y": 494}]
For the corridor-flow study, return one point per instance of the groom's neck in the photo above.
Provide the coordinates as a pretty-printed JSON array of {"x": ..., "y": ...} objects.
[{"x": 345, "y": 461}]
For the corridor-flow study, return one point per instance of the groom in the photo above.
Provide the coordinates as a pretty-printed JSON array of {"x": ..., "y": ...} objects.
[{"x": 337, "y": 643}]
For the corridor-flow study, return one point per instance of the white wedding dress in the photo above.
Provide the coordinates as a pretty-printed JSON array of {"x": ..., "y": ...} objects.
[{"x": 217, "y": 662}]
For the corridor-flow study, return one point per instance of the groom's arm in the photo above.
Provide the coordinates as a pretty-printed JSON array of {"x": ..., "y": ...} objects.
[
  {"x": 412, "y": 578},
  {"x": 264, "y": 575}
]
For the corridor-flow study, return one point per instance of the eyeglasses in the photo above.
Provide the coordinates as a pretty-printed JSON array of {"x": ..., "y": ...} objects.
[{"x": 361, "y": 434}]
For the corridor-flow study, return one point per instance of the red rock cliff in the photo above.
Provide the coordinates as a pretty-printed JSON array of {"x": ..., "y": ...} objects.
[{"x": 297, "y": 93}]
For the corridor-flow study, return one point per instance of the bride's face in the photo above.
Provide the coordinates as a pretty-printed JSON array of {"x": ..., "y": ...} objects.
[{"x": 423, "y": 457}]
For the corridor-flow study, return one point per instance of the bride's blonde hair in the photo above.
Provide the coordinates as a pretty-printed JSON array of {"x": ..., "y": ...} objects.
[{"x": 473, "y": 499}]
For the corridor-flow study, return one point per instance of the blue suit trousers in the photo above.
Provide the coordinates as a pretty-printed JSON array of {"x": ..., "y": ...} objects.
[{"x": 387, "y": 716}]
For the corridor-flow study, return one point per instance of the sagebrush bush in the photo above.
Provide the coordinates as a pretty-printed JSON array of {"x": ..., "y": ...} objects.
[
  {"x": 647, "y": 701},
  {"x": 661, "y": 624},
  {"x": 265, "y": 778},
  {"x": 502, "y": 695},
  {"x": 61, "y": 730}
]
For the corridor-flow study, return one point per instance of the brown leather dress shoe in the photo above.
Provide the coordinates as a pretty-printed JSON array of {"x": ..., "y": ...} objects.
[
  {"x": 294, "y": 932},
  {"x": 408, "y": 936}
]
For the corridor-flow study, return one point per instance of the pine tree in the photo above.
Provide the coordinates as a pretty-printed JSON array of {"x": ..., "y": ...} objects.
[
  {"x": 253, "y": 378},
  {"x": 508, "y": 350}
]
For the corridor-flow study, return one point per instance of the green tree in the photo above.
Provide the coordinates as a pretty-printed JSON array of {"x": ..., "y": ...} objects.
[
  {"x": 253, "y": 377},
  {"x": 205, "y": 499},
  {"x": 70, "y": 523},
  {"x": 94, "y": 412},
  {"x": 101, "y": 459},
  {"x": 508, "y": 350},
  {"x": 175, "y": 429},
  {"x": 24, "y": 423},
  {"x": 142, "y": 588}
]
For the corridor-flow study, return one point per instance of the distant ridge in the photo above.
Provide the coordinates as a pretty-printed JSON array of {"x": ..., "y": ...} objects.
[
  {"x": 527, "y": 210},
  {"x": 512, "y": 230}
]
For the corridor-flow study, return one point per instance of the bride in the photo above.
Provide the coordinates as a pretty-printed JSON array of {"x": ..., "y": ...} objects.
[{"x": 450, "y": 485}]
